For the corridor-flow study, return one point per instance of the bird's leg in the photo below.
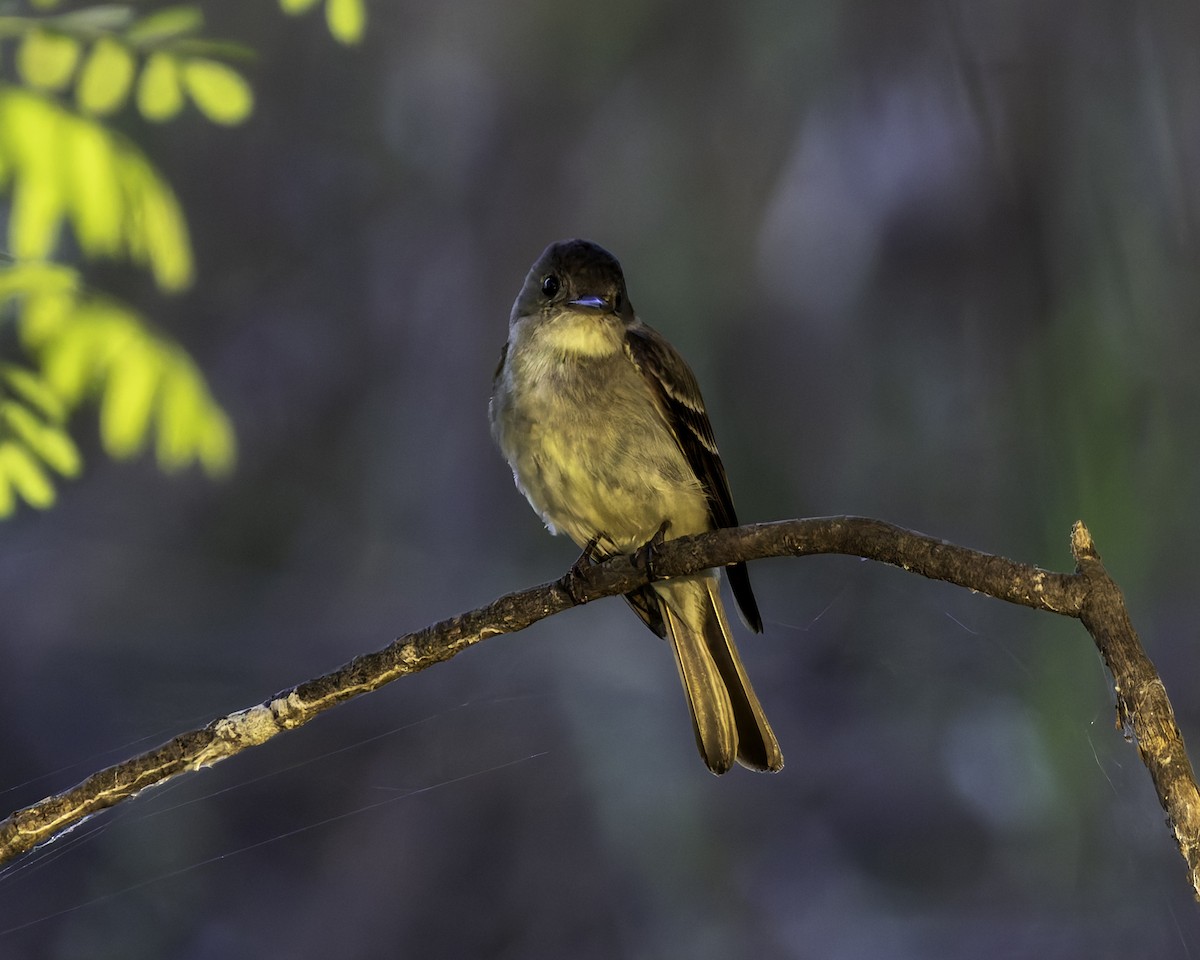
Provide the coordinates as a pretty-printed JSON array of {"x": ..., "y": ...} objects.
[
  {"x": 578, "y": 573},
  {"x": 644, "y": 556}
]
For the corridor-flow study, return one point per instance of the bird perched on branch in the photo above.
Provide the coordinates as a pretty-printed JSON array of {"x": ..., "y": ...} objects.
[{"x": 604, "y": 427}]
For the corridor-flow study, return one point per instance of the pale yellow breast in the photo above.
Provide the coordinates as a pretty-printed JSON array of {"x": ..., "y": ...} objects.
[{"x": 581, "y": 334}]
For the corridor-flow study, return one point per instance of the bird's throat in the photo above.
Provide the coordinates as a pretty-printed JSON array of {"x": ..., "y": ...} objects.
[{"x": 581, "y": 335}]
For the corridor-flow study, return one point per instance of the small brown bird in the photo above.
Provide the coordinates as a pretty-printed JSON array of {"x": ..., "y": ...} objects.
[{"x": 604, "y": 427}]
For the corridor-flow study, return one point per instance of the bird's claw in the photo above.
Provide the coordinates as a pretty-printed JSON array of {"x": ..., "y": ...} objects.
[
  {"x": 577, "y": 576},
  {"x": 644, "y": 557}
]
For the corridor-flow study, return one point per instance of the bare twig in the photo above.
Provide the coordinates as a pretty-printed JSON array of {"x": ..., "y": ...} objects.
[{"x": 1089, "y": 594}]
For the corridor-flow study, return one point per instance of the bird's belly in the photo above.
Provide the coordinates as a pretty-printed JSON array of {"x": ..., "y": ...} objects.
[{"x": 618, "y": 474}]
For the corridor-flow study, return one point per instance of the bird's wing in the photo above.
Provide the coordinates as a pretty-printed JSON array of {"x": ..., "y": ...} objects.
[{"x": 674, "y": 385}]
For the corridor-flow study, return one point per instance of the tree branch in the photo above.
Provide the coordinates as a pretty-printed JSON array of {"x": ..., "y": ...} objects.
[{"x": 1089, "y": 595}]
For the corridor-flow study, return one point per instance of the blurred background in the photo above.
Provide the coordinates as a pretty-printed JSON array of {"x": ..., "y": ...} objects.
[{"x": 933, "y": 262}]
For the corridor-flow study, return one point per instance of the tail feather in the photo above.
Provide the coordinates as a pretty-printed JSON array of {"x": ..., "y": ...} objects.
[
  {"x": 727, "y": 718},
  {"x": 757, "y": 747},
  {"x": 712, "y": 712}
]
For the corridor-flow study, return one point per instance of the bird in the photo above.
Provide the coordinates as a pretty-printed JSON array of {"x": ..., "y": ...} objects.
[{"x": 605, "y": 429}]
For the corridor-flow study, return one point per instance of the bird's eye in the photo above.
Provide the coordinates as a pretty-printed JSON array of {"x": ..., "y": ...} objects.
[
  {"x": 550, "y": 285},
  {"x": 619, "y": 303}
]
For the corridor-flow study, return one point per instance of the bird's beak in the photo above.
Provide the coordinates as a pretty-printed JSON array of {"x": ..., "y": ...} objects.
[{"x": 591, "y": 303}]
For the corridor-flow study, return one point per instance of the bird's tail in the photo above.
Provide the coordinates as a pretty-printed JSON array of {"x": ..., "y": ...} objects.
[{"x": 728, "y": 719}]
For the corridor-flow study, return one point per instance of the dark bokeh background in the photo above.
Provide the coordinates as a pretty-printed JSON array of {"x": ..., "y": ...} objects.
[{"x": 934, "y": 262}]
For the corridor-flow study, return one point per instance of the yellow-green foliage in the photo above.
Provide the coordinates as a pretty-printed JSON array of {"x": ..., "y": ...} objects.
[
  {"x": 86, "y": 346},
  {"x": 33, "y": 439},
  {"x": 61, "y": 165},
  {"x": 219, "y": 91},
  {"x": 106, "y": 54},
  {"x": 347, "y": 19}
]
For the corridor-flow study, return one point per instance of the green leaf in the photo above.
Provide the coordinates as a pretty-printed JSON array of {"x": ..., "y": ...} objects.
[
  {"x": 125, "y": 411},
  {"x": 296, "y": 6},
  {"x": 105, "y": 79},
  {"x": 221, "y": 93},
  {"x": 18, "y": 420},
  {"x": 346, "y": 19},
  {"x": 31, "y": 148},
  {"x": 145, "y": 382},
  {"x": 190, "y": 424},
  {"x": 57, "y": 448},
  {"x": 31, "y": 388},
  {"x": 90, "y": 176},
  {"x": 63, "y": 166},
  {"x": 32, "y": 438},
  {"x": 217, "y": 446},
  {"x": 163, "y": 236},
  {"x": 44, "y": 316},
  {"x": 68, "y": 360},
  {"x": 167, "y": 24},
  {"x": 159, "y": 96},
  {"x": 49, "y": 442},
  {"x": 47, "y": 60},
  {"x": 36, "y": 278},
  {"x": 180, "y": 415},
  {"x": 37, "y": 208},
  {"x": 25, "y": 476}
]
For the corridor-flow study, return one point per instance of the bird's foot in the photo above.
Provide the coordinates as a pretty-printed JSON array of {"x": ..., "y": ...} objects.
[
  {"x": 644, "y": 556},
  {"x": 576, "y": 577}
]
